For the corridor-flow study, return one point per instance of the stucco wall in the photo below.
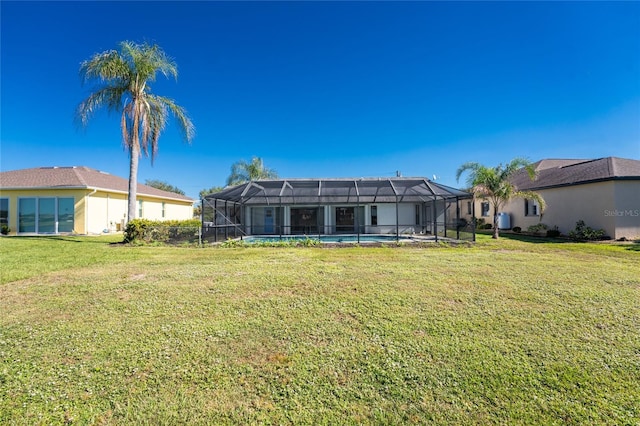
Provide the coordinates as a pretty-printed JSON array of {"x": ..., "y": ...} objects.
[
  {"x": 76, "y": 194},
  {"x": 593, "y": 203},
  {"x": 96, "y": 211},
  {"x": 173, "y": 210},
  {"x": 106, "y": 211},
  {"x": 626, "y": 209},
  {"x": 387, "y": 218}
]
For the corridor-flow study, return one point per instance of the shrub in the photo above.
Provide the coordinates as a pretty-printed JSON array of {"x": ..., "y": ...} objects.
[
  {"x": 147, "y": 231},
  {"x": 4, "y": 230},
  {"x": 478, "y": 222},
  {"x": 584, "y": 233},
  {"x": 516, "y": 229},
  {"x": 538, "y": 228},
  {"x": 553, "y": 233}
]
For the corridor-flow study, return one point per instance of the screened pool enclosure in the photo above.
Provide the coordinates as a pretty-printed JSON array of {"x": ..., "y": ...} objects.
[{"x": 315, "y": 207}]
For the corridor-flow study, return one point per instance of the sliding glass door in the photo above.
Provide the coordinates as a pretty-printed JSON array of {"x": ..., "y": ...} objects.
[{"x": 47, "y": 215}]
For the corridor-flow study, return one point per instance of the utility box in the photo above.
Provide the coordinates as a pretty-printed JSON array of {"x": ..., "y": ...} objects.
[{"x": 504, "y": 221}]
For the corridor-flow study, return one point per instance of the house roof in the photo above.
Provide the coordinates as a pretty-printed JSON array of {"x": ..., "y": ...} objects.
[
  {"x": 562, "y": 172},
  {"x": 314, "y": 191},
  {"x": 76, "y": 177}
]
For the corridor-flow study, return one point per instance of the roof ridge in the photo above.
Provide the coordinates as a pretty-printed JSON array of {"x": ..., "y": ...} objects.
[
  {"x": 581, "y": 163},
  {"x": 76, "y": 170}
]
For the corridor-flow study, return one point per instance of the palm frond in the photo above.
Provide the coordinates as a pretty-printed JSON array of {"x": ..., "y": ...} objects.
[
  {"x": 110, "y": 97},
  {"x": 184, "y": 122},
  {"x": 468, "y": 167},
  {"x": 105, "y": 66}
]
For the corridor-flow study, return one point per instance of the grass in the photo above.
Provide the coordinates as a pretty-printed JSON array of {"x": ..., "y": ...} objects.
[{"x": 507, "y": 332}]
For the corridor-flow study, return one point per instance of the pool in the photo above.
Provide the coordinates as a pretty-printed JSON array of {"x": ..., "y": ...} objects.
[{"x": 349, "y": 238}]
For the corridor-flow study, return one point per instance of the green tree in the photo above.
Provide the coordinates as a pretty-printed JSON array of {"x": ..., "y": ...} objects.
[
  {"x": 493, "y": 183},
  {"x": 242, "y": 172},
  {"x": 122, "y": 77},
  {"x": 211, "y": 190},
  {"x": 165, "y": 186}
]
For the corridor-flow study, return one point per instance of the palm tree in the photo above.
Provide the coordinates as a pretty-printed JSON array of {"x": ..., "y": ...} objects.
[
  {"x": 123, "y": 78},
  {"x": 494, "y": 183},
  {"x": 242, "y": 172}
]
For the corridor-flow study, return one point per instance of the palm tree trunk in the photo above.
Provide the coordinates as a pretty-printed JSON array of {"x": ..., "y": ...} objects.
[
  {"x": 496, "y": 234},
  {"x": 133, "y": 181}
]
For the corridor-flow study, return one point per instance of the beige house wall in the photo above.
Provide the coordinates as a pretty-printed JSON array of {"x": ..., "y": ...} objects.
[
  {"x": 464, "y": 210},
  {"x": 612, "y": 205},
  {"x": 106, "y": 211},
  {"x": 601, "y": 205},
  {"x": 15, "y": 194},
  {"x": 96, "y": 211},
  {"x": 173, "y": 210},
  {"x": 626, "y": 210}
]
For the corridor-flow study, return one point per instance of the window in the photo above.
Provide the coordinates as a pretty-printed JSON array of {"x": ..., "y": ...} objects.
[
  {"x": 374, "y": 215},
  {"x": 139, "y": 208},
  {"x": 531, "y": 208},
  {"x": 4, "y": 211},
  {"x": 27, "y": 215},
  {"x": 469, "y": 207},
  {"x": 485, "y": 208},
  {"x": 417, "y": 214},
  {"x": 47, "y": 215},
  {"x": 65, "y": 214},
  {"x": 163, "y": 209}
]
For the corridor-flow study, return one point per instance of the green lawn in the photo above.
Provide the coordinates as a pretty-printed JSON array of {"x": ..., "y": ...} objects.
[{"x": 506, "y": 332}]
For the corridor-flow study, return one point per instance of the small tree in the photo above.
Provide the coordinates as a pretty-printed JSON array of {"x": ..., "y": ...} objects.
[
  {"x": 242, "y": 172},
  {"x": 165, "y": 186},
  {"x": 211, "y": 190},
  {"x": 494, "y": 184}
]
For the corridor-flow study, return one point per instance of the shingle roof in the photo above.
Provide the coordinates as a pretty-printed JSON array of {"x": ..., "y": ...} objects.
[
  {"x": 76, "y": 177},
  {"x": 558, "y": 172}
]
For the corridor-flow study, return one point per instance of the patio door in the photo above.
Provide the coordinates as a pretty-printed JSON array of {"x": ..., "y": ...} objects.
[
  {"x": 268, "y": 220},
  {"x": 347, "y": 219}
]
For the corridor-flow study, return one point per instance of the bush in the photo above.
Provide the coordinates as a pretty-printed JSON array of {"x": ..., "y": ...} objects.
[
  {"x": 517, "y": 229},
  {"x": 584, "y": 233},
  {"x": 147, "y": 231},
  {"x": 553, "y": 233},
  {"x": 478, "y": 222},
  {"x": 4, "y": 230},
  {"x": 538, "y": 228}
]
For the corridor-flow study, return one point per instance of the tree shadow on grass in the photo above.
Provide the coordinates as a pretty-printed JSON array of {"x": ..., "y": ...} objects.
[
  {"x": 533, "y": 238},
  {"x": 634, "y": 247},
  {"x": 69, "y": 239}
]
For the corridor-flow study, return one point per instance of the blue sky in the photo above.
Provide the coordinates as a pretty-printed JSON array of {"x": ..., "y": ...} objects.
[{"x": 332, "y": 89}]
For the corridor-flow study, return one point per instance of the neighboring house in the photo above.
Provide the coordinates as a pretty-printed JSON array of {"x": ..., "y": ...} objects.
[
  {"x": 334, "y": 206},
  {"x": 604, "y": 193},
  {"x": 79, "y": 200}
]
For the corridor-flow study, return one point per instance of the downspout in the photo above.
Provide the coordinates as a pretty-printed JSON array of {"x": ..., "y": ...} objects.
[{"x": 86, "y": 211}]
